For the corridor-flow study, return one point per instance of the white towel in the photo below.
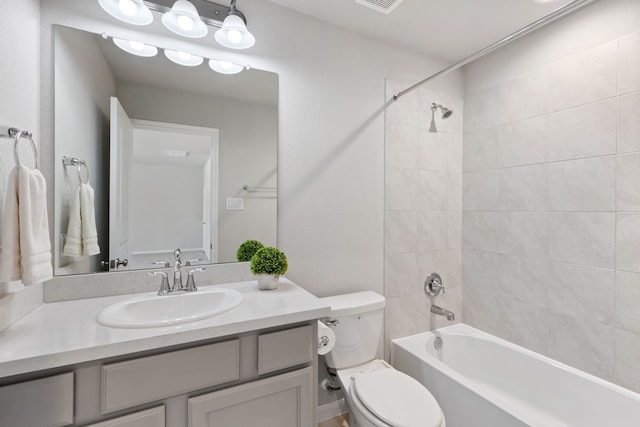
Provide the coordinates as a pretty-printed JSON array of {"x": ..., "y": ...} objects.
[
  {"x": 10, "y": 237},
  {"x": 88, "y": 215},
  {"x": 73, "y": 243},
  {"x": 82, "y": 236},
  {"x": 25, "y": 248}
]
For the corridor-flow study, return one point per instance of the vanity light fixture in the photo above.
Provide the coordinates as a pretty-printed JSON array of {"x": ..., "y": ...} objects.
[
  {"x": 183, "y": 58},
  {"x": 183, "y": 19},
  {"x": 133, "y": 12},
  {"x": 234, "y": 33},
  {"x": 225, "y": 67},
  {"x": 136, "y": 48}
]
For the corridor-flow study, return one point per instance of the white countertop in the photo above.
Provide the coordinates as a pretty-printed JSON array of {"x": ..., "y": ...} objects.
[{"x": 65, "y": 333}]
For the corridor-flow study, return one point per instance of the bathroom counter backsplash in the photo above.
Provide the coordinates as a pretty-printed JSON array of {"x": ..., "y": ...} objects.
[{"x": 64, "y": 333}]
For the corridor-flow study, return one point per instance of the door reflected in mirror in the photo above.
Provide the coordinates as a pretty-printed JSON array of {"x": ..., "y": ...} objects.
[{"x": 180, "y": 157}]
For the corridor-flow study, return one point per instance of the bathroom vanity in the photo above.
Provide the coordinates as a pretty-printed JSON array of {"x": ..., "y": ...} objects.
[{"x": 252, "y": 366}]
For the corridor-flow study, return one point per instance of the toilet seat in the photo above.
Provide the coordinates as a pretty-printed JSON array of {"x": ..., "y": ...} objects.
[{"x": 404, "y": 402}]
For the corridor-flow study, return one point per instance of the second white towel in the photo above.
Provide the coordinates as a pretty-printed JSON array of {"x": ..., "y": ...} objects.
[{"x": 82, "y": 236}]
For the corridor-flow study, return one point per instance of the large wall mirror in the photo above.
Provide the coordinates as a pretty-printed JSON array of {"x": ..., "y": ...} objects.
[{"x": 177, "y": 157}]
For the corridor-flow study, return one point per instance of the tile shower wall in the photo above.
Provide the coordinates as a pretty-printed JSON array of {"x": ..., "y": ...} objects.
[
  {"x": 423, "y": 202},
  {"x": 551, "y": 210}
]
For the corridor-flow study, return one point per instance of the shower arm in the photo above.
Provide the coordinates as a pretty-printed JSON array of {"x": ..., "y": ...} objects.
[{"x": 558, "y": 13}]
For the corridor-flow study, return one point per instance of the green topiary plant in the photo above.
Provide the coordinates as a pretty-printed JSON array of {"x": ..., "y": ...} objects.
[
  {"x": 248, "y": 249},
  {"x": 269, "y": 260}
]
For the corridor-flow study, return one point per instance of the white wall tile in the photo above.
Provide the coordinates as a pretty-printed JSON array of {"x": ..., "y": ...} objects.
[
  {"x": 627, "y": 301},
  {"x": 481, "y": 230},
  {"x": 400, "y": 231},
  {"x": 585, "y": 238},
  {"x": 480, "y": 270},
  {"x": 524, "y": 142},
  {"x": 628, "y": 241},
  {"x": 586, "y": 293},
  {"x": 525, "y": 324},
  {"x": 629, "y": 64},
  {"x": 525, "y": 96},
  {"x": 481, "y": 110},
  {"x": 525, "y": 234},
  {"x": 454, "y": 191},
  {"x": 585, "y": 131},
  {"x": 524, "y": 279},
  {"x": 454, "y": 229},
  {"x": 628, "y": 123},
  {"x": 405, "y": 315},
  {"x": 585, "y": 345},
  {"x": 432, "y": 230},
  {"x": 432, "y": 151},
  {"x": 400, "y": 274},
  {"x": 482, "y": 310},
  {"x": 432, "y": 190},
  {"x": 524, "y": 188},
  {"x": 583, "y": 185},
  {"x": 627, "y": 354},
  {"x": 401, "y": 146},
  {"x": 481, "y": 190},
  {"x": 401, "y": 189},
  {"x": 585, "y": 77},
  {"x": 481, "y": 150},
  {"x": 454, "y": 152},
  {"x": 628, "y": 183}
]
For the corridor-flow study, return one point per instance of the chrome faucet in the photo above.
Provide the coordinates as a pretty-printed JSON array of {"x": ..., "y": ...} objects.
[
  {"x": 177, "y": 271},
  {"x": 435, "y": 309}
]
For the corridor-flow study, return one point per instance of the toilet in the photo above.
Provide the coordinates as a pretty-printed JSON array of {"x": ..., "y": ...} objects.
[{"x": 377, "y": 394}]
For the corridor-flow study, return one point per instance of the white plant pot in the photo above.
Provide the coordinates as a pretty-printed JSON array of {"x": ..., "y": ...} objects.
[{"x": 268, "y": 282}]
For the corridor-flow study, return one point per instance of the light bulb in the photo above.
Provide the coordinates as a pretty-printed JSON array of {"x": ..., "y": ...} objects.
[
  {"x": 234, "y": 36},
  {"x": 226, "y": 65},
  {"x": 184, "y": 56},
  {"x": 185, "y": 22},
  {"x": 136, "y": 45},
  {"x": 128, "y": 7}
]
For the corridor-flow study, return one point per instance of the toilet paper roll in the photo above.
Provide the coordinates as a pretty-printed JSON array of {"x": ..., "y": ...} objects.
[{"x": 326, "y": 339}]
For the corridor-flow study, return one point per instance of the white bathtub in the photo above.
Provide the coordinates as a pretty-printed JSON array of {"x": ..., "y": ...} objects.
[{"x": 482, "y": 381}]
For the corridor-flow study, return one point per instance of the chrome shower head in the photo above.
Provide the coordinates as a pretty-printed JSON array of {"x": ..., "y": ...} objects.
[{"x": 446, "y": 113}]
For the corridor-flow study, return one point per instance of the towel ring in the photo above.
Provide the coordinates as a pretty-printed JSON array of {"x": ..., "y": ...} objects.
[
  {"x": 17, "y": 135},
  {"x": 86, "y": 168}
]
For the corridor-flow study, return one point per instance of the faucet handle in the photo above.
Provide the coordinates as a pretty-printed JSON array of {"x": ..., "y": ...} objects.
[
  {"x": 191, "y": 283},
  {"x": 164, "y": 283},
  {"x": 433, "y": 285}
]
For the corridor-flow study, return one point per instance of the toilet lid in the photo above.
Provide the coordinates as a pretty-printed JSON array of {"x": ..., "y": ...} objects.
[{"x": 397, "y": 399}]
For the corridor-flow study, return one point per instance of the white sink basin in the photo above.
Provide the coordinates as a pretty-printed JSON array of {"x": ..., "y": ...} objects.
[{"x": 152, "y": 311}]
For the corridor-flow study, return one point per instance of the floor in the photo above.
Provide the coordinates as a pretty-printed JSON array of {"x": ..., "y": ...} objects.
[{"x": 339, "y": 421}]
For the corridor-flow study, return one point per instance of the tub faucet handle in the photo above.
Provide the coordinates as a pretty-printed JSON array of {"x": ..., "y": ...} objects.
[{"x": 433, "y": 285}]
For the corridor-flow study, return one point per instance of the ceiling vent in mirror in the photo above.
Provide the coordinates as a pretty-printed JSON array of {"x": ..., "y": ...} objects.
[{"x": 384, "y": 6}]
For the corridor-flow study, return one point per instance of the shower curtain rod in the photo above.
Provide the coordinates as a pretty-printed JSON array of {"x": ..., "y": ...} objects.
[{"x": 558, "y": 13}]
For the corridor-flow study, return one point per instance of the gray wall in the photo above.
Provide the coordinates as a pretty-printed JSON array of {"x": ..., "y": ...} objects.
[{"x": 551, "y": 170}]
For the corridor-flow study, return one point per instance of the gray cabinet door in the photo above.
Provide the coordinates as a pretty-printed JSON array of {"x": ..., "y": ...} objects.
[{"x": 281, "y": 401}]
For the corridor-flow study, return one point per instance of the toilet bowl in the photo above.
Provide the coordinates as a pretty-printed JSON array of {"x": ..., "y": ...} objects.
[
  {"x": 380, "y": 396},
  {"x": 377, "y": 394}
]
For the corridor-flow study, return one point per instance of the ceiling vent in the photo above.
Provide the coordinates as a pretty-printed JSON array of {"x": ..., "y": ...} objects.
[{"x": 384, "y": 6}]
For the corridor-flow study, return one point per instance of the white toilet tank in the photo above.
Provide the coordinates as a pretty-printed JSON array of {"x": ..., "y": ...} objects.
[{"x": 360, "y": 318}]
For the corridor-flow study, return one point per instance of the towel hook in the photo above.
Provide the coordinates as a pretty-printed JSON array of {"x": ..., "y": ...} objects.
[
  {"x": 17, "y": 135},
  {"x": 72, "y": 161},
  {"x": 80, "y": 165}
]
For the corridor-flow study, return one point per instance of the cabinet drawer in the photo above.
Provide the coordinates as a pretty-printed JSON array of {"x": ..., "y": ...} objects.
[
  {"x": 44, "y": 402},
  {"x": 284, "y": 400},
  {"x": 284, "y": 349},
  {"x": 150, "y": 418},
  {"x": 138, "y": 381}
]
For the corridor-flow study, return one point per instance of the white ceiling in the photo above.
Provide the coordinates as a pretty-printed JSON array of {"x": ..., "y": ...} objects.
[{"x": 444, "y": 29}]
